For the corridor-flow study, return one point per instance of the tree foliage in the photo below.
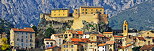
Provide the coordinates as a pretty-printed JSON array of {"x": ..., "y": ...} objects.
[
  {"x": 48, "y": 32},
  {"x": 5, "y": 45}
]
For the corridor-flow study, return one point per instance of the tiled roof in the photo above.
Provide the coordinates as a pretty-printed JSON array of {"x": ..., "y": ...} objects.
[
  {"x": 80, "y": 40},
  {"x": 140, "y": 38},
  {"x": 23, "y": 30},
  {"x": 118, "y": 36},
  {"x": 147, "y": 47},
  {"x": 75, "y": 32},
  {"x": 101, "y": 44},
  {"x": 79, "y": 32},
  {"x": 126, "y": 46},
  {"x": 76, "y": 39},
  {"x": 47, "y": 39},
  {"x": 110, "y": 42},
  {"x": 107, "y": 32}
]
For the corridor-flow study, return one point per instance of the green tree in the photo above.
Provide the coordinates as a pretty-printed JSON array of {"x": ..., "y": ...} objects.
[
  {"x": 35, "y": 29},
  {"x": 136, "y": 48},
  {"x": 48, "y": 32}
]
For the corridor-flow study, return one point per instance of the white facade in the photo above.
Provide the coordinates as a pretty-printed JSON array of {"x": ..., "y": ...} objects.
[
  {"x": 59, "y": 41},
  {"x": 86, "y": 36},
  {"x": 101, "y": 48}
]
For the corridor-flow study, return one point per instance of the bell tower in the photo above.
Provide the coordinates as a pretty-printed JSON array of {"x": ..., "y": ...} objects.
[{"x": 125, "y": 28}]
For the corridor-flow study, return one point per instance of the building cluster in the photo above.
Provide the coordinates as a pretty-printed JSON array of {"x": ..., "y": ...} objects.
[
  {"x": 116, "y": 40},
  {"x": 75, "y": 40}
]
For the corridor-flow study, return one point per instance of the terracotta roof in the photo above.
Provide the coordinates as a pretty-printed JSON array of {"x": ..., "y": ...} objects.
[
  {"x": 47, "y": 39},
  {"x": 140, "y": 38},
  {"x": 147, "y": 47},
  {"x": 107, "y": 32},
  {"x": 80, "y": 40},
  {"x": 101, "y": 44},
  {"x": 110, "y": 42},
  {"x": 76, "y": 39},
  {"x": 79, "y": 32},
  {"x": 75, "y": 32},
  {"x": 118, "y": 36},
  {"x": 23, "y": 30},
  {"x": 51, "y": 47},
  {"x": 126, "y": 46}
]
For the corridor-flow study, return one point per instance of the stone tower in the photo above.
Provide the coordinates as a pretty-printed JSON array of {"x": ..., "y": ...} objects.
[{"x": 125, "y": 28}]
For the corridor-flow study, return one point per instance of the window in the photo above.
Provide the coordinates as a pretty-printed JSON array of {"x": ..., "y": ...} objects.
[
  {"x": 124, "y": 27},
  {"x": 86, "y": 9},
  {"x": 65, "y": 35},
  {"x": 26, "y": 37},
  {"x": 86, "y": 12},
  {"x": 148, "y": 42},
  {"x": 90, "y": 45},
  {"x": 31, "y": 44},
  {"x": 82, "y": 12},
  {"x": 66, "y": 46},
  {"x": 69, "y": 34},
  {"x": 17, "y": 39},
  {"x": 30, "y": 35},
  {"x": 71, "y": 46},
  {"x": 91, "y": 12},
  {"x": 51, "y": 43},
  {"x": 82, "y": 9},
  {"x": 100, "y": 9},
  {"x": 26, "y": 40},
  {"x": 21, "y": 40},
  {"x": 47, "y": 42},
  {"x": 91, "y": 9},
  {"x": 96, "y": 10},
  {"x": 31, "y": 40}
]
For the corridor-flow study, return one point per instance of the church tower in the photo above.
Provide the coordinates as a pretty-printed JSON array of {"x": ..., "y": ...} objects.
[{"x": 125, "y": 28}]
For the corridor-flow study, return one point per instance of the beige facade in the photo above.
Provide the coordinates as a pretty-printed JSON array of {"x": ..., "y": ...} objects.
[
  {"x": 92, "y": 46},
  {"x": 60, "y": 13},
  {"x": 70, "y": 46},
  {"x": 146, "y": 34},
  {"x": 22, "y": 38}
]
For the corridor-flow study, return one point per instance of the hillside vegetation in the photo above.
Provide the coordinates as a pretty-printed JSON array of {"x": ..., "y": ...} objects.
[{"x": 140, "y": 17}]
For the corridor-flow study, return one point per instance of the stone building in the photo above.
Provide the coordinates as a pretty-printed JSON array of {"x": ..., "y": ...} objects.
[{"x": 22, "y": 38}]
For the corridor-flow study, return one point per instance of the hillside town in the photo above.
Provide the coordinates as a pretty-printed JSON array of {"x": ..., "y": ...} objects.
[{"x": 86, "y": 29}]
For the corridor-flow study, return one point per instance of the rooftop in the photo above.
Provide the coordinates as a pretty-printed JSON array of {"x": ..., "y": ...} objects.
[
  {"x": 107, "y": 32},
  {"x": 140, "y": 38},
  {"x": 147, "y": 47},
  {"x": 102, "y": 44},
  {"x": 23, "y": 30},
  {"x": 110, "y": 42}
]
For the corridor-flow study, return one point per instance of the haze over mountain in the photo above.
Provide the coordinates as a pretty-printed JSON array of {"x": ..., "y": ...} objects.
[
  {"x": 140, "y": 17},
  {"x": 23, "y": 13}
]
